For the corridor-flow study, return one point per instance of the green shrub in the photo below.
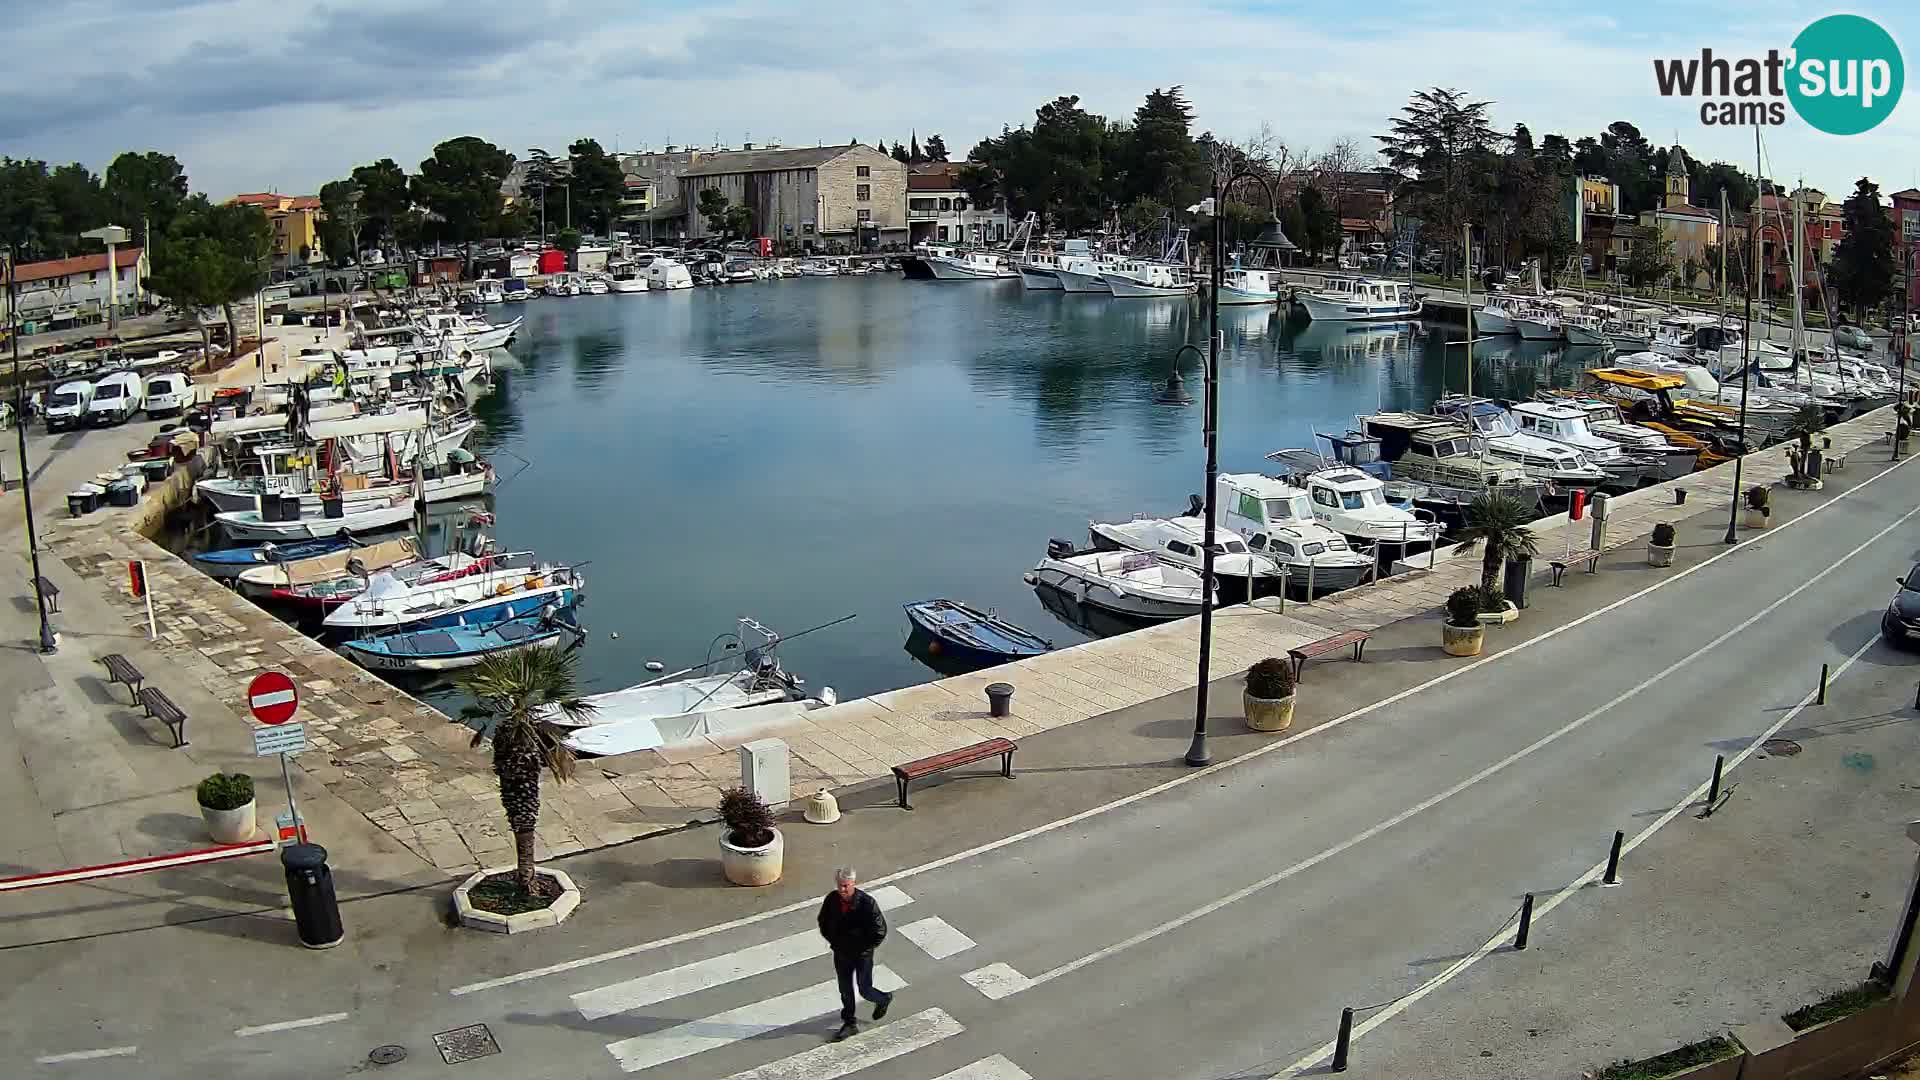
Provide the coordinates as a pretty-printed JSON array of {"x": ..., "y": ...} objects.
[
  {"x": 1836, "y": 1005},
  {"x": 1463, "y": 606},
  {"x": 225, "y": 791},
  {"x": 1704, "y": 1052},
  {"x": 1759, "y": 498},
  {"x": 1492, "y": 601},
  {"x": 1270, "y": 678},
  {"x": 1663, "y": 535},
  {"x": 749, "y": 822}
]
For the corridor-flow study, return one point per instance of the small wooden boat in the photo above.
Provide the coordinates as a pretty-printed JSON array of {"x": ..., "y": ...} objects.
[
  {"x": 454, "y": 647},
  {"x": 960, "y": 631},
  {"x": 230, "y": 562}
]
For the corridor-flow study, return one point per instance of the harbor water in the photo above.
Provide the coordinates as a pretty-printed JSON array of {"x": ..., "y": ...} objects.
[{"x": 798, "y": 450}]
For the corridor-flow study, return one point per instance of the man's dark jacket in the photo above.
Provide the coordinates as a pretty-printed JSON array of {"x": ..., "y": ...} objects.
[{"x": 860, "y": 928}]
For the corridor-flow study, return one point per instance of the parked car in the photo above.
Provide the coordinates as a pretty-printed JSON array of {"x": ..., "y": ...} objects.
[
  {"x": 1901, "y": 623},
  {"x": 1852, "y": 337}
]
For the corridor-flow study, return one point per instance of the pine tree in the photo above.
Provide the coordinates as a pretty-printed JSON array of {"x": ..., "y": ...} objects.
[{"x": 1863, "y": 265}]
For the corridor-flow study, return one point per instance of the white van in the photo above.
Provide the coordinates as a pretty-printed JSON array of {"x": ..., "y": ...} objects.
[
  {"x": 168, "y": 394},
  {"x": 116, "y": 398},
  {"x": 67, "y": 405}
]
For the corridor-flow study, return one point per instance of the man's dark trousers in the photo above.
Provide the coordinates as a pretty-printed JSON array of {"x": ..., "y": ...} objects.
[{"x": 852, "y": 966}]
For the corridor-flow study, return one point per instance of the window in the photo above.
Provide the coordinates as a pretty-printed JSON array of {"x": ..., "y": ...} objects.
[
  {"x": 1179, "y": 548},
  {"x": 1233, "y": 547},
  {"x": 1281, "y": 510},
  {"x": 943, "y": 232},
  {"x": 863, "y": 193},
  {"x": 863, "y": 215},
  {"x": 946, "y": 204},
  {"x": 807, "y": 228},
  {"x": 1250, "y": 507},
  {"x": 862, "y": 170},
  {"x": 1259, "y": 542},
  {"x": 1325, "y": 497}
]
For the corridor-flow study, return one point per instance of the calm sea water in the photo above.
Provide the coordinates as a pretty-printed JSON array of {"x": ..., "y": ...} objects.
[{"x": 804, "y": 449}]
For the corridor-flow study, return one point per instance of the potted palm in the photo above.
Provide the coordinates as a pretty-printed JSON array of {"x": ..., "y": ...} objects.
[
  {"x": 226, "y": 804},
  {"x": 1660, "y": 545},
  {"x": 516, "y": 698},
  {"x": 1759, "y": 506},
  {"x": 1462, "y": 634},
  {"x": 1498, "y": 522},
  {"x": 1269, "y": 695},
  {"x": 1495, "y": 608},
  {"x": 751, "y": 848}
]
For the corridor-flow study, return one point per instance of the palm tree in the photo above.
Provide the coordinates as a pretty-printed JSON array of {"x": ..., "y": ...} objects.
[
  {"x": 1500, "y": 520},
  {"x": 515, "y": 695}
]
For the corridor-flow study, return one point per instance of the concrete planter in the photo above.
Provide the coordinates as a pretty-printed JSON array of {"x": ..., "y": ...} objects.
[
  {"x": 1659, "y": 554},
  {"x": 552, "y": 915},
  {"x": 1502, "y": 617},
  {"x": 234, "y": 826},
  {"x": 1268, "y": 714},
  {"x": 1727, "y": 1068},
  {"x": 1462, "y": 640},
  {"x": 1755, "y": 519},
  {"x": 753, "y": 866}
]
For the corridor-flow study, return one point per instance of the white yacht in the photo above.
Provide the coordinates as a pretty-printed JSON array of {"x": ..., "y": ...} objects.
[
  {"x": 971, "y": 265},
  {"x": 1342, "y": 298},
  {"x": 594, "y": 285},
  {"x": 1178, "y": 541},
  {"x": 1561, "y": 467},
  {"x": 1443, "y": 455},
  {"x": 1277, "y": 519},
  {"x": 625, "y": 277},
  {"x": 1168, "y": 275},
  {"x": 1604, "y": 420},
  {"x": 1244, "y": 285},
  {"x": 1353, "y": 502},
  {"x": 564, "y": 283},
  {"x": 488, "y": 291},
  {"x": 669, "y": 274},
  {"x": 1566, "y": 425},
  {"x": 1134, "y": 584}
]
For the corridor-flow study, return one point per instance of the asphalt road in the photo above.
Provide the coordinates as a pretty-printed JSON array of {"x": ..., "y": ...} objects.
[{"x": 1210, "y": 929}]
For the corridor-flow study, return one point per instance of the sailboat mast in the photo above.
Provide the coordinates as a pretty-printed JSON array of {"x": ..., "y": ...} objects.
[{"x": 1466, "y": 262}]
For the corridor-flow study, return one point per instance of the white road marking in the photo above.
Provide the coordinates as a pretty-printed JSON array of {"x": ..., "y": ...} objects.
[
  {"x": 1428, "y": 803},
  {"x": 889, "y": 897},
  {"x": 86, "y": 1055},
  {"x": 997, "y": 981},
  {"x": 870, "y": 1047},
  {"x": 996, "y": 1067},
  {"x": 277, "y": 697},
  {"x": 1693, "y": 798},
  {"x": 288, "y": 1025},
  {"x": 1182, "y": 780},
  {"x": 746, "y": 1022},
  {"x": 716, "y": 971},
  {"x": 936, "y": 937}
]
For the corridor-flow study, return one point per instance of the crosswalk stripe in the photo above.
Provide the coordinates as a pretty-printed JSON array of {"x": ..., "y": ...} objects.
[
  {"x": 996, "y": 1067},
  {"x": 936, "y": 937},
  {"x": 870, "y": 1047},
  {"x": 746, "y": 1022},
  {"x": 700, "y": 975},
  {"x": 997, "y": 981}
]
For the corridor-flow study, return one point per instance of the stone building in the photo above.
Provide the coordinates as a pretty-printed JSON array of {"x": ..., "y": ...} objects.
[
  {"x": 939, "y": 210},
  {"x": 1689, "y": 230},
  {"x": 827, "y": 198}
]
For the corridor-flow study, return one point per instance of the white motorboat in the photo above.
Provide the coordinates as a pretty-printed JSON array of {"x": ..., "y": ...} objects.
[
  {"x": 462, "y": 477},
  {"x": 474, "y": 335},
  {"x": 254, "y": 525},
  {"x": 1632, "y": 328},
  {"x": 389, "y": 602},
  {"x": 669, "y": 274},
  {"x": 1342, "y": 298},
  {"x": 1178, "y": 541},
  {"x": 1604, "y": 420},
  {"x": 625, "y": 277},
  {"x": 1136, "y": 585},
  {"x": 488, "y": 291},
  {"x": 1084, "y": 273},
  {"x": 971, "y": 265},
  {"x": 1039, "y": 271},
  {"x": 1242, "y": 285},
  {"x": 1277, "y": 519},
  {"x": 1586, "y": 327},
  {"x": 1495, "y": 317},
  {"x": 515, "y": 291},
  {"x": 1168, "y": 275},
  {"x": 1568, "y": 426},
  {"x": 564, "y": 283},
  {"x": 1353, "y": 503},
  {"x": 273, "y": 574},
  {"x": 1442, "y": 456},
  {"x": 595, "y": 285},
  {"x": 1562, "y": 468},
  {"x": 384, "y": 442}
]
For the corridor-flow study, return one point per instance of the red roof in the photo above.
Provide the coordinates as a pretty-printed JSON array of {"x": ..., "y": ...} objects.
[
  {"x": 258, "y": 198},
  {"x": 1686, "y": 210},
  {"x": 933, "y": 182},
  {"x": 305, "y": 202},
  {"x": 78, "y": 264},
  {"x": 273, "y": 200},
  {"x": 1911, "y": 195}
]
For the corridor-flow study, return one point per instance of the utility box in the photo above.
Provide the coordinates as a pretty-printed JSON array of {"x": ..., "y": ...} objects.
[
  {"x": 1600, "y": 521},
  {"x": 763, "y": 771}
]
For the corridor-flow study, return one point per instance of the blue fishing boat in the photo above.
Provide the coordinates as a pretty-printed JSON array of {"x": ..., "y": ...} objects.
[
  {"x": 454, "y": 647},
  {"x": 960, "y": 632},
  {"x": 231, "y": 562}
]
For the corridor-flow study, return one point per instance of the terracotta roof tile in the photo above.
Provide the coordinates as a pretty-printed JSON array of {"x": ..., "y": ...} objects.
[{"x": 78, "y": 264}]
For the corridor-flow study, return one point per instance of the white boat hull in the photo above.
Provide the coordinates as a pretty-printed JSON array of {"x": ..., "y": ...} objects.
[
  {"x": 1245, "y": 297},
  {"x": 227, "y": 499},
  {"x": 1074, "y": 281},
  {"x": 1039, "y": 280},
  {"x": 1129, "y": 289},
  {"x": 1493, "y": 322},
  {"x": 633, "y": 286},
  {"x": 1322, "y": 309},
  {"x": 1121, "y": 601},
  {"x": 247, "y": 526},
  {"x": 949, "y": 270},
  {"x": 1535, "y": 330},
  {"x": 1585, "y": 335}
]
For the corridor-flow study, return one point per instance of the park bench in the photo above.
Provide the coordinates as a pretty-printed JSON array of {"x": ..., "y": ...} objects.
[
  {"x": 1590, "y": 560},
  {"x": 1303, "y": 653},
  {"x": 161, "y": 708},
  {"x": 121, "y": 670},
  {"x": 953, "y": 759},
  {"x": 52, "y": 592}
]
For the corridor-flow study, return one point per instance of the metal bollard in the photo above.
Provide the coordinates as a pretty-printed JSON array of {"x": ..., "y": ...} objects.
[
  {"x": 1713, "y": 790},
  {"x": 1821, "y": 699},
  {"x": 1309, "y": 579},
  {"x": 1613, "y": 860},
  {"x": 1344, "y": 1042},
  {"x": 1526, "y": 922},
  {"x": 1679, "y": 496},
  {"x": 1916, "y": 697},
  {"x": 999, "y": 700}
]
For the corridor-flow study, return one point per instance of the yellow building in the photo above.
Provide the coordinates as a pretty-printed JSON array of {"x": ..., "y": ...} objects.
[
  {"x": 295, "y": 220},
  {"x": 1689, "y": 230}
]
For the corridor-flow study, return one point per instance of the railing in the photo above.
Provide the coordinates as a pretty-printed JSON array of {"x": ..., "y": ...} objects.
[{"x": 927, "y": 215}]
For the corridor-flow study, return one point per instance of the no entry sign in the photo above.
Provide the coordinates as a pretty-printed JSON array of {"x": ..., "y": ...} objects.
[{"x": 272, "y": 698}]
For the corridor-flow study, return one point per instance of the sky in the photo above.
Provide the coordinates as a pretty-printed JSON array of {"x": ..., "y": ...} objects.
[{"x": 288, "y": 95}]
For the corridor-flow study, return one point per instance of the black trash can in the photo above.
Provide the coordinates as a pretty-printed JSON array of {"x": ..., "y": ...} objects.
[
  {"x": 334, "y": 508},
  {"x": 290, "y": 508},
  {"x": 999, "y": 699},
  {"x": 316, "y": 912},
  {"x": 1515, "y": 583},
  {"x": 81, "y": 502}
]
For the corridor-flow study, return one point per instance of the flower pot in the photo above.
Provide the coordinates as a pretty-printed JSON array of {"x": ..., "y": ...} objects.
[
  {"x": 1268, "y": 714},
  {"x": 1755, "y": 519},
  {"x": 234, "y": 826},
  {"x": 752, "y": 865},
  {"x": 1462, "y": 640},
  {"x": 1659, "y": 554}
]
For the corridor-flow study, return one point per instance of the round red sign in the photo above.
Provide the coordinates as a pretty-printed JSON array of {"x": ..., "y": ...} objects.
[{"x": 272, "y": 698}]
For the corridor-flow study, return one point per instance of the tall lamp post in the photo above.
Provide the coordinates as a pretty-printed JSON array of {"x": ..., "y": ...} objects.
[
  {"x": 1746, "y": 337},
  {"x": 1175, "y": 394},
  {"x": 47, "y": 643}
]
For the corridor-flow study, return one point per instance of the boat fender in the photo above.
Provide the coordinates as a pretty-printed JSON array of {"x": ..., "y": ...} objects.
[{"x": 1029, "y": 578}]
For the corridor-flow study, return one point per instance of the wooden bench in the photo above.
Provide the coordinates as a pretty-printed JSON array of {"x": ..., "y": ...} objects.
[
  {"x": 953, "y": 759},
  {"x": 121, "y": 670},
  {"x": 1304, "y": 653},
  {"x": 1588, "y": 559},
  {"x": 52, "y": 592},
  {"x": 161, "y": 708}
]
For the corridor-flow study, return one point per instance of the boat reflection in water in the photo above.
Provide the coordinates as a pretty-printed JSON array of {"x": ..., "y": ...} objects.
[{"x": 1089, "y": 620}]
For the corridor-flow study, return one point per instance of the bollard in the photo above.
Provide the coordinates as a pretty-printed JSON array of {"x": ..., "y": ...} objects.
[
  {"x": 1679, "y": 496},
  {"x": 1345, "y": 1040},
  {"x": 999, "y": 700},
  {"x": 1309, "y": 579},
  {"x": 1526, "y": 922},
  {"x": 1613, "y": 860},
  {"x": 1916, "y": 697},
  {"x": 1713, "y": 790},
  {"x": 1821, "y": 698}
]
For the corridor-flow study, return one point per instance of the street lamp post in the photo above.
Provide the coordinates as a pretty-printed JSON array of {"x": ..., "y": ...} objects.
[
  {"x": 47, "y": 643},
  {"x": 1746, "y": 338}
]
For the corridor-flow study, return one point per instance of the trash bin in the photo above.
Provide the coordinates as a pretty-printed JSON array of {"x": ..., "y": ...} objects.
[
  {"x": 1515, "y": 583},
  {"x": 81, "y": 502},
  {"x": 316, "y": 912},
  {"x": 999, "y": 699}
]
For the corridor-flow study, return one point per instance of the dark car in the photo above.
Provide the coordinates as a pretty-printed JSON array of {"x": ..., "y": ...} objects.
[{"x": 1901, "y": 624}]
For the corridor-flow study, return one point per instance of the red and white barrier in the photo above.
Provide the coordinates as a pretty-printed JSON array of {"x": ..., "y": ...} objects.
[{"x": 138, "y": 866}]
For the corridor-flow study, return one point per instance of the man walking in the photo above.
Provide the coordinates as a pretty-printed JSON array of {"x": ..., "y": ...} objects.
[{"x": 851, "y": 922}]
